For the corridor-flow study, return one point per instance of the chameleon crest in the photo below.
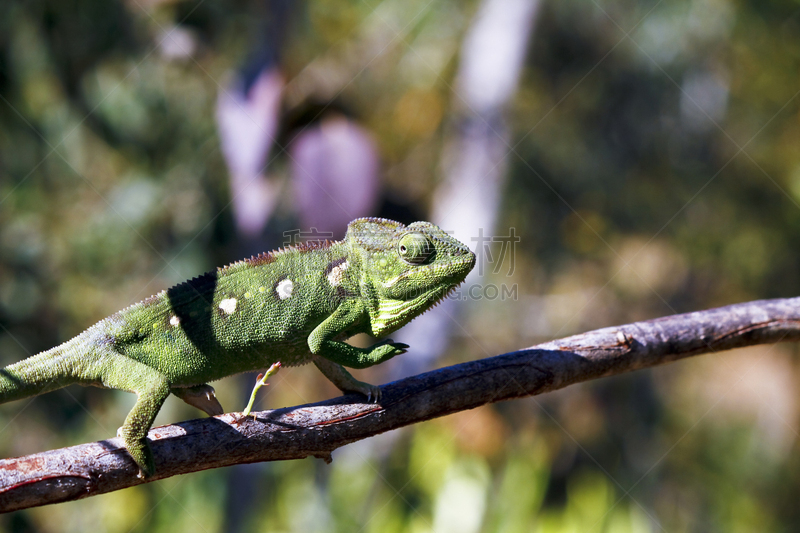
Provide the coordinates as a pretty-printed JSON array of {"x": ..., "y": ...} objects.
[
  {"x": 287, "y": 307},
  {"x": 408, "y": 269}
]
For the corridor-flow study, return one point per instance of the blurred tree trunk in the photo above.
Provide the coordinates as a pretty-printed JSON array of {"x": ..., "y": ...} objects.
[{"x": 475, "y": 157}]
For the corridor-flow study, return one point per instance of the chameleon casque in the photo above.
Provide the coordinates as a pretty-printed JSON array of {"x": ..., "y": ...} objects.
[{"x": 295, "y": 305}]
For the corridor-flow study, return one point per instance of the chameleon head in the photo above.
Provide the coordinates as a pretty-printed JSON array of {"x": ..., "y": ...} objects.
[{"x": 408, "y": 269}]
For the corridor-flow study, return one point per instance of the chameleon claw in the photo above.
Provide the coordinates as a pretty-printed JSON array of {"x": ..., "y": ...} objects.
[
  {"x": 401, "y": 346},
  {"x": 202, "y": 397},
  {"x": 373, "y": 394}
]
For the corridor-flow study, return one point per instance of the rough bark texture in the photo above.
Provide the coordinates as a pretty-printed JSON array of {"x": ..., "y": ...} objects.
[{"x": 318, "y": 429}]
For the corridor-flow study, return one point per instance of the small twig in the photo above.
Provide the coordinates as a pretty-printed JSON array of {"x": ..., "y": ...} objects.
[
  {"x": 318, "y": 429},
  {"x": 261, "y": 381}
]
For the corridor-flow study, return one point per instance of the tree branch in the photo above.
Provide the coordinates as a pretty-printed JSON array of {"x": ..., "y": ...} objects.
[{"x": 318, "y": 429}]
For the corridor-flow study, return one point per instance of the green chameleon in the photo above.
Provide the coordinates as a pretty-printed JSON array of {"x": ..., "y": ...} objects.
[{"x": 291, "y": 306}]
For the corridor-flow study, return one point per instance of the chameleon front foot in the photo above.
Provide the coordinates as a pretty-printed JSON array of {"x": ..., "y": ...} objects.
[
  {"x": 383, "y": 351},
  {"x": 372, "y": 392},
  {"x": 340, "y": 377}
]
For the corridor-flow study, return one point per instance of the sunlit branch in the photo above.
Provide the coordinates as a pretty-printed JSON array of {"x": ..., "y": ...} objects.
[{"x": 318, "y": 429}]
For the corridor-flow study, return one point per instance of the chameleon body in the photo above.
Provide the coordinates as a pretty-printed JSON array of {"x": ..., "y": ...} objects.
[{"x": 293, "y": 306}]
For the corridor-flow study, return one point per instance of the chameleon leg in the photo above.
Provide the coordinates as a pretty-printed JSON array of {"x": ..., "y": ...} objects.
[
  {"x": 340, "y": 377},
  {"x": 152, "y": 389},
  {"x": 347, "y": 355},
  {"x": 321, "y": 342},
  {"x": 200, "y": 396}
]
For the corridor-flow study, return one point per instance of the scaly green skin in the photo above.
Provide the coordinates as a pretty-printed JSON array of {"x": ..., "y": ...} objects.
[{"x": 291, "y": 306}]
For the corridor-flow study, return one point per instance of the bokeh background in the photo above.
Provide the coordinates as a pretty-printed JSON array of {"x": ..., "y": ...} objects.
[{"x": 609, "y": 160}]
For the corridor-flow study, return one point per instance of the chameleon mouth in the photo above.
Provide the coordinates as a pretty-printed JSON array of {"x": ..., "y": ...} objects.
[
  {"x": 392, "y": 314},
  {"x": 405, "y": 298},
  {"x": 429, "y": 303}
]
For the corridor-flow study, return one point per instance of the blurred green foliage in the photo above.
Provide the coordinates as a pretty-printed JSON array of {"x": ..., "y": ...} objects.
[{"x": 655, "y": 170}]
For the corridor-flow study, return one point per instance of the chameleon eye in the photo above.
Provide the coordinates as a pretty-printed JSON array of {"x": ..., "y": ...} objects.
[{"x": 414, "y": 248}]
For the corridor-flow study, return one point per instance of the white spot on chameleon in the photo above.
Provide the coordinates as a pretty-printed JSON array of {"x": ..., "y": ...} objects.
[
  {"x": 174, "y": 321},
  {"x": 228, "y": 305},
  {"x": 336, "y": 274},
  {"x": 284, "y": 289}
]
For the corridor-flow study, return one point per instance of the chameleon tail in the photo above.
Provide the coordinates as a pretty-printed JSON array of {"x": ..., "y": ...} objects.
[{"x": 44, "y": 372}]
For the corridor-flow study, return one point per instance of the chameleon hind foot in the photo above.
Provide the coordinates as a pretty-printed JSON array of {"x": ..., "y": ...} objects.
[
  {"x": 140, "y": 452},
  {"x": 201, "y": 396}
]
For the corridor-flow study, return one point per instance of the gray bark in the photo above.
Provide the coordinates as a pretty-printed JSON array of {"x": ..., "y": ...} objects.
[{"x": 318, "y": 429}]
